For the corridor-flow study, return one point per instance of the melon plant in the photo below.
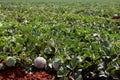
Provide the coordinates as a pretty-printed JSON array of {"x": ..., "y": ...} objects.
[
  {"x": 10, "y": 61},
  {"x": 40, "y": 62},
  {"x": 1, "y": 66},
  {"x": 56, "y": 64}
]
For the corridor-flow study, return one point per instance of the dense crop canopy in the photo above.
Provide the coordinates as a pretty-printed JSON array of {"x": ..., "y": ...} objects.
[{"x": 83, "y": 35}]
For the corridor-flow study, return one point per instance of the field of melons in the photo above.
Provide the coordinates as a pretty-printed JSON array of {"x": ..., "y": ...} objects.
[{"x": 83, "y": 34}]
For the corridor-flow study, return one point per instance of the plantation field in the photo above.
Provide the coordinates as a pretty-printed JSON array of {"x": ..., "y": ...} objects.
[{"x": 81, "y": 33}]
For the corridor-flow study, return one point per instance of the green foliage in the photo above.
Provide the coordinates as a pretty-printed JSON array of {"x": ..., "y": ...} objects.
[{"x": 81, "y": 33}]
